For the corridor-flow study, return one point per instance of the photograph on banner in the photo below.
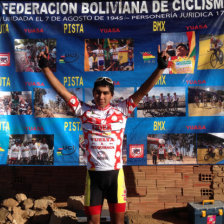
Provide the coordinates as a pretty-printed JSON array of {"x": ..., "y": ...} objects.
[
  {"x": 29, "y": 149},
  {"x": 211, "y": 51},
  {"x": 136, "y": 151},
  {"x": 181, "y": 49},
  {"x": 16, "y": 103},
  {"x": 210, "y": 148},
  {"x": 4, "y": 59},
  {"x": 206, "y": 101},
  {"x": 28, "y": 50},
  {"x": 171, "y": 149},
  {"x": 120, "y": 94},
  {"x": 47, "y": 103},
  {"x": 109, "y": 55},
  {"x": 163, "y": 102},
  {"x": 102, "y": 153}
]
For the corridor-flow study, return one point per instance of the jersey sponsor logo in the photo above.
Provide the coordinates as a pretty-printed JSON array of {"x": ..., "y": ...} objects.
[
  {"x": 105, "y": 127},
  {"x": 136, "y": 151},
  {"x": 69, "y": 57},
  {"x": 4, "y": 59},
  {"x": 1, "y": 149},
  {"x": 66, "y": 150},
  {"x": 101, "y": 155}
]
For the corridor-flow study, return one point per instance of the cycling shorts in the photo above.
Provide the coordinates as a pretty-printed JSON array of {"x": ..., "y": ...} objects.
[
  {"x": 101, "y": 62},
  {"x": 102, "y": 185}
]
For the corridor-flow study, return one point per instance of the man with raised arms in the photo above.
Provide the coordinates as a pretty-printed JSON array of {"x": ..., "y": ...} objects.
[{"x": 103, "y": 128}]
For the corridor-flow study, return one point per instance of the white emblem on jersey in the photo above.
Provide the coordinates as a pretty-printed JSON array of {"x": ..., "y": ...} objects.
[
  {"x": 73, "y": 101},
  {"x": 114, "y": 118}
]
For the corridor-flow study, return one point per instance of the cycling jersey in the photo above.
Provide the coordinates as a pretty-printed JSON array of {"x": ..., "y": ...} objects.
[
  {"x": 25, "y": 152},
  {"x": 115, "y": 51},
  {"x": 44, "y": 148},
  {"x": 216, "y": 42},
  {"x": 100, "y": 54},
  {"x": 103, "y": 132},
  {"x": 34, "y": 150},
  {"x": 15, "y": 151}
]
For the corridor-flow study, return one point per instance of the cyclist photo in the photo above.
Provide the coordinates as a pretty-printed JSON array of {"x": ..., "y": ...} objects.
[
  {"x": 30, "y": 149},
  {"x": 109, "y": 55},
  {"x": 211, "y": 51},
  {"x": 27, "y": 50},
  {"x": 210, "y": 148},
  {"x": 181, "y": 49},
  {"x": 163, "y": 102},
  {"x": 16, "y": 103},
  {"x": 205, "y": 101},
  {"x": 171, "y": 149}
]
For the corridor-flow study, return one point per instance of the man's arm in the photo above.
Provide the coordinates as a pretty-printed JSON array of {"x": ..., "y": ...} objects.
[
  {"x": 152, "y": 80},
  {"x": 55, "y": 83}
]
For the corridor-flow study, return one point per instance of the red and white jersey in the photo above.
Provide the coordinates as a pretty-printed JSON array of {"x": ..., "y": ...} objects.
[
  {"x": 34, "y": 149},
  {"x": 44, "y": 148},
  {"x": 103, "y": 132},
  {"x": 25, "y": 151},
  {"x": 15, "y": 152}
]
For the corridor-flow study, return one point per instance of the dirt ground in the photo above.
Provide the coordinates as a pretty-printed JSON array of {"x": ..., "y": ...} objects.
[
  {"x": 167, "y": 216},
  {"x": 194, "y": 110},
  {"x": 174, "y": 216}
]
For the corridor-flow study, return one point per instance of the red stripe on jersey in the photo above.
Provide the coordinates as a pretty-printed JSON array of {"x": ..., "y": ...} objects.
[{"x": 73, "y": 102}]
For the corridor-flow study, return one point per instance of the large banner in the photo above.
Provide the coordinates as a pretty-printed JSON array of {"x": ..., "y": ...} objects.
[{"x": 180, "y": 121}]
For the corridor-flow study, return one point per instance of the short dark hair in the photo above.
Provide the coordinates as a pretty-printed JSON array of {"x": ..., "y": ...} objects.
[
  {"x": 104, "y": 83},
  {"x": 182, "y": 45}
]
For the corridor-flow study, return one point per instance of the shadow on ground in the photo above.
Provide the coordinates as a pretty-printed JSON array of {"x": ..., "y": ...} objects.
[{"x": 173, "y": 215}]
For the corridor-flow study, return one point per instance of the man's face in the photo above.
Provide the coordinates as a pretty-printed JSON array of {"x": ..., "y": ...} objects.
[
  {"x": 181, "y": 51},
  {"x": 102, "y": 96}
]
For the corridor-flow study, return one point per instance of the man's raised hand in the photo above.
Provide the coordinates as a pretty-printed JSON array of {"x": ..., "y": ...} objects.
[
  {"x": 162, "y": 59},
  {"x": 42, "y": 60}
]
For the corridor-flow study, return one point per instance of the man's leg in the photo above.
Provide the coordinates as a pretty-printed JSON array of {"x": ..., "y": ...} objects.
[
  {"x": 93, "y": 219},
  {"x": 117, "y": 218},
  {"x": 93, "y": 198},
  {"x": 117, "y": 199}
]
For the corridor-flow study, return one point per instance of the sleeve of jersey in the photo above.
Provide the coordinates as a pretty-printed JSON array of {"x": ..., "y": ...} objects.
[
  {"x": 75, "y": 105},
  {"x": 127, "y": 106}
]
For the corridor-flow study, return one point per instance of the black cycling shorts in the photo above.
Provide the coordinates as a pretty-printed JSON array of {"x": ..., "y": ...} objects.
[{"x": 102, "y": 185}]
